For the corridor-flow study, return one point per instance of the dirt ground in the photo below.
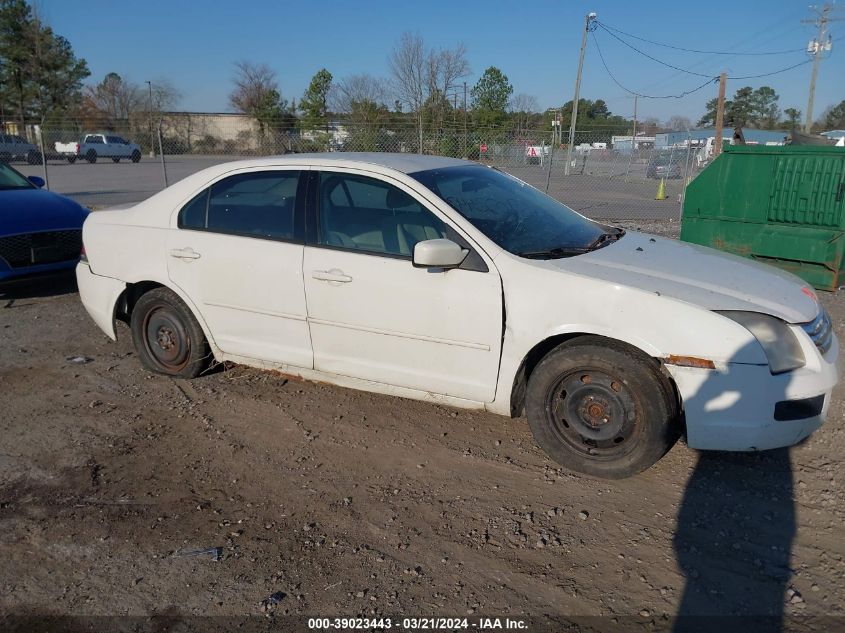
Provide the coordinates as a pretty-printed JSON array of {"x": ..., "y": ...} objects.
[{"x": 343, "y": 503}]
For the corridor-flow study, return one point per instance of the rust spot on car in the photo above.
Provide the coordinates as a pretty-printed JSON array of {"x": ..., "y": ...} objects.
[{"x": 689, "y": 361}]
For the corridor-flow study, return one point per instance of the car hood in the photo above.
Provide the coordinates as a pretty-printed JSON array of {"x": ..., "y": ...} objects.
[
  {"x": 30, "y": 210},
  {"x": 698, "y": 275}
]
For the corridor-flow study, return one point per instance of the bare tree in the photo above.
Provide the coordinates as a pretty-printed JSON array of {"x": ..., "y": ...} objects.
[
  {"x": 650, "y": 126},
  {"x": 678, "y": 123},
  {"x": 361, "y": 100},
  {"x": 114, "y": 98},
  {"x": 452, "y": 66},
  {"x": 444, "y": 68},
  {"x": 253, "y": 84},
  {"x": 408, "y": 65},
  {"x": 165, "y": 96},
  {"x": 422, "y": 76},
  {"x": 348, "y": 92},
  {"x": 256, "y": 93},
  {"x": 524, "y": 109}
]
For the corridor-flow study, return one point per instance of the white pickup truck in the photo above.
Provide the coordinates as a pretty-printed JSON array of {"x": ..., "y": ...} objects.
[{"x": 94, "y": 146}]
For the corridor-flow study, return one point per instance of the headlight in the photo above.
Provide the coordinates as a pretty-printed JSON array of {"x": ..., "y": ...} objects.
[{"x": 782, "y": 349}]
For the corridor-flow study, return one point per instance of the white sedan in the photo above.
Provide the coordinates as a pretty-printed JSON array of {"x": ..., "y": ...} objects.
[{"x": 445, "y": 280}]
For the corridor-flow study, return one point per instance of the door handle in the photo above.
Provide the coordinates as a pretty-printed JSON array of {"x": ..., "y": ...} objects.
[
  {"x": 184, "y": 253},
  {"x": 331, "y": 275}
]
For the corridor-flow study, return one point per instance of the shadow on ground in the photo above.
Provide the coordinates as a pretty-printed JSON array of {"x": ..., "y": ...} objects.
[
  {"x": 13, "y": 291},
  {"x": 736, "y": 523}
]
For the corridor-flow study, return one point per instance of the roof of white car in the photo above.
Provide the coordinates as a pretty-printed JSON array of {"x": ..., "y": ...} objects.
[
  {"x": 163, "y": 202},
  {"x": 405, "y": 163}
]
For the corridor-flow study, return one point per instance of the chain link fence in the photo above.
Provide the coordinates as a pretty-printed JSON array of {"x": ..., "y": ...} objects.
[{"x": 604, "y": 175}]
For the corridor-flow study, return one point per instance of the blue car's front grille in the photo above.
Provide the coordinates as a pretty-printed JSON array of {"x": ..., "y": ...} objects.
[
  {"x": 820, "y": 330},
  {"x": 33, "y": 249}
]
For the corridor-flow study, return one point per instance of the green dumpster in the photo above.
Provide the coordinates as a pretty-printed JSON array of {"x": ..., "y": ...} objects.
[{"x": 781, "y": 205}]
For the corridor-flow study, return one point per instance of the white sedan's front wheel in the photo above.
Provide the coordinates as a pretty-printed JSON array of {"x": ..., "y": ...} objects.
[{"x": 601, "y": 408}]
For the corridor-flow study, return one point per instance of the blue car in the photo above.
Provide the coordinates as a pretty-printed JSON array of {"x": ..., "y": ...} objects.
[{"x": 40, "y": 232}]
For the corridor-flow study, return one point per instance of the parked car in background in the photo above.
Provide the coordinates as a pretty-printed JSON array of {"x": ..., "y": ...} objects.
[
  {"x": 664, "y": 165},
  {"x": 40, "y": 232},
  {"x": 14, "y": 147},
  {"x": 93, "y": 146},
  {"x": 445, "y": 280}
]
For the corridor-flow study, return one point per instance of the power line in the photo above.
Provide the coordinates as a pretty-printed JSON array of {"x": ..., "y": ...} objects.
[
  {"x": 683, "y": 70},
  {"x": 710, "y": 78},
  {"x": 690, "y": 72},
  {"x": 775, "y": 72},
  {"x": 750, "y": 40},
  {"x": 709, "y": 81},
  {"x": 693, "y": 50}
]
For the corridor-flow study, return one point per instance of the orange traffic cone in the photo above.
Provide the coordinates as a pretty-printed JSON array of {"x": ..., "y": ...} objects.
[{"x": 661, "y": 190}]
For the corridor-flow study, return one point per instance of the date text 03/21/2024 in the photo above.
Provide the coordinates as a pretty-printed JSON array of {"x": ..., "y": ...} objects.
[{"x": 418, "y": 624}]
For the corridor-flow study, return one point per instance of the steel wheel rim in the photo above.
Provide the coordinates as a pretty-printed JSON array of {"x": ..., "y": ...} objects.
[
  {"x": 166, "y": 338},
  {"x": 593, "y": 413}
]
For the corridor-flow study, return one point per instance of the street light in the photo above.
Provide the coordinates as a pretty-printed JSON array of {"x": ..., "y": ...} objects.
[{"x": 152, "y": 140}]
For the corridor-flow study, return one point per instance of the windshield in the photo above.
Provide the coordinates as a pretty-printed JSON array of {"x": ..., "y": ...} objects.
[
  {"x": 10, "y": 179},
  {"x": 515, "y": 215}
]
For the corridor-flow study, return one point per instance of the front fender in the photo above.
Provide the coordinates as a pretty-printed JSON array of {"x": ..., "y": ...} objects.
[{"x": 556, "y": 304}]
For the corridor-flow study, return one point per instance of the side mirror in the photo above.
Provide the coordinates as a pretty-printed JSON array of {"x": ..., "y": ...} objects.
[
  {"x": 439, "y": 253},
  {"x": 37, "y": 181}
]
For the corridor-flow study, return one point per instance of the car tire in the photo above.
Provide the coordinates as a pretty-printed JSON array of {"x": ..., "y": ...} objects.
[
  {"x": 91, "y": 156},
  {"x": 136, "y": 156},
  {"x": 5, "y": 157},
  {"x": 115, "y": 159},
  {"x": 167, "y": 336},
  {"x": 34, "y": 158},
  {"x": 601, "y": 408},
  {"x": 71, "y": 159}
]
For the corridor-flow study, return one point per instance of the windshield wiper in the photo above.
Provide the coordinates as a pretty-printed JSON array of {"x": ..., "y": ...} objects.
[
  {"x": 569, "y": 251},
  {"x": 554, "y": 253},
  {"x": 605, "y": 238}
]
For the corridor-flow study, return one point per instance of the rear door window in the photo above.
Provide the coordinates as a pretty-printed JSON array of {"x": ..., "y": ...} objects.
[{"x": 255, "y": 204}]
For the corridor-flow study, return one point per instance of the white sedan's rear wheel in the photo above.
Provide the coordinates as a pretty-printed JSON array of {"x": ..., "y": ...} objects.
[{"x": 167, "y": 336}]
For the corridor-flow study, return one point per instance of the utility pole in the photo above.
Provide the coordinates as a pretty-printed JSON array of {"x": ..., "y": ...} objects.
[
  {"x": 465, "y": 120},
  {"x": 821, "y": 44},
  {"x": 720, "y": 115},
  {"x": 152, "y": 138},
  {"x": 634, "y": 134},
  {"x": 557, "y": 128},
  {"x": 633, "y": 140},
  {"x": 587, "y": 20}
]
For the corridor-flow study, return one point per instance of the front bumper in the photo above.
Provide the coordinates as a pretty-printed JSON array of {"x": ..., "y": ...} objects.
[
  {"x": 99, "y": 295},
  {"x": 732, "y": 407}
]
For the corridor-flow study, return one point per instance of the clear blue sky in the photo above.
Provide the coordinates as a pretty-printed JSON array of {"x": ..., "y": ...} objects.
[{"x": 194, "y": 44}]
